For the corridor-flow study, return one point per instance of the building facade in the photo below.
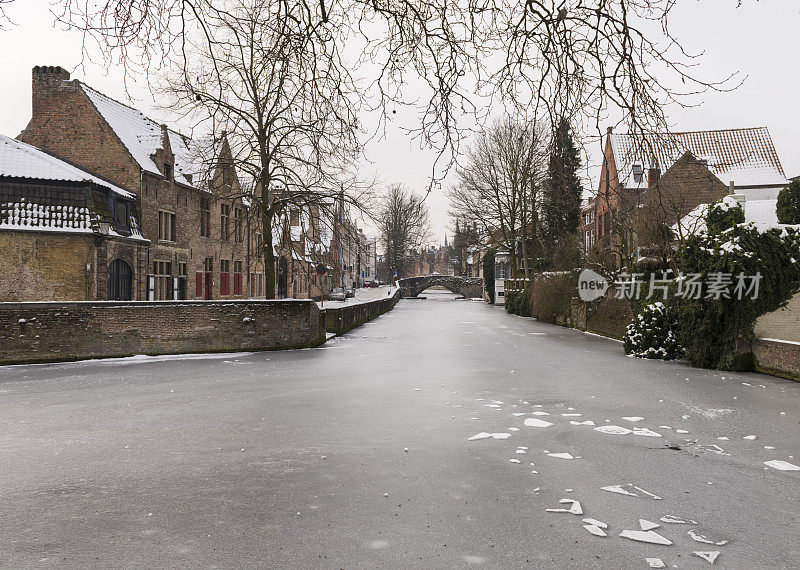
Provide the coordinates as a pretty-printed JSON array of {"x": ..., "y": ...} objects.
[
  {"x": 65, "y": 234},
  {"x": 186, "y": 191},
  {"x": 661, "y": 177},
  {"x": 201, "y": 227}
]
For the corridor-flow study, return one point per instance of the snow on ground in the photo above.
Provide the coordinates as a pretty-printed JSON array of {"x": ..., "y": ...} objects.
[
  {"x": 364, "y": 295},
  {"x": 561, "y": 455},
  {"x": 709, "y": 556},
  {"x": 142, "y": 359},
  {"x": 486, "y": 435},
  {"x": 670, "y": 519},
  {"x": 574, "y": 507}
]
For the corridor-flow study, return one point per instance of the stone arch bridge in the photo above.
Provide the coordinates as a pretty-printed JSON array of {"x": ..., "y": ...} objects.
[{"x": 469, "y": 287}]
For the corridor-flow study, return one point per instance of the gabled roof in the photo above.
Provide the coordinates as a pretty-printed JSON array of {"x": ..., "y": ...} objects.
[
  {"x": 142, "y": 137},
  {"x": 745, "y": 156},
  {"x": 20, "y": 160}
]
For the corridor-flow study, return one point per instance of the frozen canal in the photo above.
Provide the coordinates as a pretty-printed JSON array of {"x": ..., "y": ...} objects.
[{"x": 443, "y": 434}]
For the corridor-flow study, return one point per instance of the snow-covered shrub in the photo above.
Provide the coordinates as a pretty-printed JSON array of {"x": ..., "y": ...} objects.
[
  {"x": 653, "y": 334},
  {"x": 788, "y": 207},
  {"x": 724, "y": 214}
]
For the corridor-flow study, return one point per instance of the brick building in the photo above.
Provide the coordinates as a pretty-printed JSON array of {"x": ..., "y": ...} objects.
[
  {"x": 200, "y": 223},
  {"x": 647, "y": 184},
  {"x": 65, "y": 233},
  {"x": 187, "y": 192}
]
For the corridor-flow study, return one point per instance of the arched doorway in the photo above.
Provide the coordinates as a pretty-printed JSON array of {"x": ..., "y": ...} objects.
[
  {"x": 119, "y": 280},
  {"x": 283, "y": 277}
]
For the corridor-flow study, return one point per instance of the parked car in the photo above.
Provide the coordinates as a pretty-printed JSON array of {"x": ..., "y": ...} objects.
[
  {"x": 349, "y": 292},
  {"x": 337, "y": 294}
]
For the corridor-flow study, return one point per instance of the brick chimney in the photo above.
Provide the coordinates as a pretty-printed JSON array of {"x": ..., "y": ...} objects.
[
  {"x": 652, "y": 176},
  {"x": 46, "y": 80},
  {"x": 164, "y": 154}
]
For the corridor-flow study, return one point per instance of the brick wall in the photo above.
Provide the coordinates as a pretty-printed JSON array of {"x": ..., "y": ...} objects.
[
  {"x": 607, "y": 200},
  {"x": 44, "y": 265},
  {"x": 65, "y": 123},
  {"x": 40, "y": 332},
  {"x": 553, "y": 299},
  {"x": 687, "y": 184},
  {"x": 51, "y": 266},
  {"x": 776, "y": 357}
]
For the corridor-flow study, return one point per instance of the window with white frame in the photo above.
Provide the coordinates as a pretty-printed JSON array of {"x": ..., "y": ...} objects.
[{"x": 162, "y": 280}]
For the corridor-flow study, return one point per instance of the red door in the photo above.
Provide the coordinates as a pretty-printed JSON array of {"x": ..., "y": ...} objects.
[{"x": 207, "y": 281}]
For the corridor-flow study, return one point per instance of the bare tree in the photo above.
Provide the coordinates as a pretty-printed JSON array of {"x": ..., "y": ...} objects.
[
  {"x": 550, "y": 58},
  {"x": 499, "y": 187},
  {"x": 404, "y": 225},
  {"x": 289, "y": 109},
  {"x": 4, "y": 19}
]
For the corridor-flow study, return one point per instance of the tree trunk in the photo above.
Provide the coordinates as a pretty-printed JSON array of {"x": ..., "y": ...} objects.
[
  {"x": 525, "y": 260},
  {"x": 267, "y": 218},
  {"x": 512, "y": 256}
]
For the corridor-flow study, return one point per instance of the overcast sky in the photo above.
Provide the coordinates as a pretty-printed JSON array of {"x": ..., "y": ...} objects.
[{"x": 758, "y": 40}]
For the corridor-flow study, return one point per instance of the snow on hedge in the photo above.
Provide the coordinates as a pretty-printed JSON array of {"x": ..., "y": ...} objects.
[{"x": 653, "y": 334}]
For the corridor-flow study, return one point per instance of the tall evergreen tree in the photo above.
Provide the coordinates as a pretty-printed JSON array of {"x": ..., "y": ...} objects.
[{"x": 561, "y": 203}]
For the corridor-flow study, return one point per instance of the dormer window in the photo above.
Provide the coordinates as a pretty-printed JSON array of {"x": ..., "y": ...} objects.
[
  {"x": 167, "y": 171},
  {"x": 638, "y": 173},
  {"x": 121, "y": 213}
]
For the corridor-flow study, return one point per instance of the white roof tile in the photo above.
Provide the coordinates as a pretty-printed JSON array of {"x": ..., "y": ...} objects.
[{"x": 21, "y": 160}]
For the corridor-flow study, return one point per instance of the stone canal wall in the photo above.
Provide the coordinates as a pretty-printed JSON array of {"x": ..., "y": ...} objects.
[
  {"x": 339, "y": 320},
  {"x": 57, "y": 331},
  {"x": 75, "y": 330}
]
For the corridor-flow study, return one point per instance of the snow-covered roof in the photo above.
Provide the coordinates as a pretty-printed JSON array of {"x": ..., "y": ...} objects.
[
  {"x": 20, "y": 160},
  {"x": 746, "y": 157},
  {"x": 142, "y": 137}
]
